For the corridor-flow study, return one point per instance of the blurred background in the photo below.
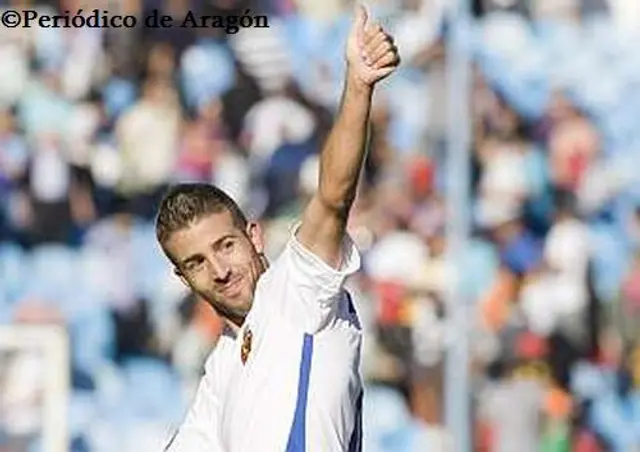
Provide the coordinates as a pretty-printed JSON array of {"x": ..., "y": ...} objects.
[{"x": 96, "y": 123}]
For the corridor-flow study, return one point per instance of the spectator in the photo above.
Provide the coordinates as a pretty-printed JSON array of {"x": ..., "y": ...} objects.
[{"x": 143, "y": 177}]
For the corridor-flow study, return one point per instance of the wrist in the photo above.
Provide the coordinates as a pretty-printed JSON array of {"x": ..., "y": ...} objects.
[{"x": 358, "y": 87}]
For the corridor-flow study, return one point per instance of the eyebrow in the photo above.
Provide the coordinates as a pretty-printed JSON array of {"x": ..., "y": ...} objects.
[
  {"x": 216, "y": 244},
  {"x": 190, "y": 259}
]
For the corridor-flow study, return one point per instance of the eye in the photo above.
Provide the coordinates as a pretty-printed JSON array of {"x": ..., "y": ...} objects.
[
  {"x": 194, "y": 265},
  {"x": 228, "y": 245}
]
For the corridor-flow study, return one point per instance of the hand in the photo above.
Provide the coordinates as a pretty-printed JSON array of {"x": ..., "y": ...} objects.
[{"x": 371, "y": 54}]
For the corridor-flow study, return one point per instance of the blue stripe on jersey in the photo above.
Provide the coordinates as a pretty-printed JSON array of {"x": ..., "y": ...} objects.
[
  {"x": 352, "y": 308},
  {"x": 355, "y": 445},
  {"x": 297, "y": 435}
]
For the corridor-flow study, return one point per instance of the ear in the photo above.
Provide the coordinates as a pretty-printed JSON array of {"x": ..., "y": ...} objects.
[{"x": 255, "y": 234}]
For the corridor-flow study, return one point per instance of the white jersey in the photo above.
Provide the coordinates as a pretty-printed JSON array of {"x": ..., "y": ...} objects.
[{"x": 300, "y": 389}]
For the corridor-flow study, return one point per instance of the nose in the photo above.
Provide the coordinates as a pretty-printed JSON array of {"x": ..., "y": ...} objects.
[{"x": 221, "y": 271}]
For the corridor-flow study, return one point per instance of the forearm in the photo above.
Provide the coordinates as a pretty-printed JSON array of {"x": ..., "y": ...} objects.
[
  {"x": 370, "y": 58},
  {"x": 345, "y": 149}
]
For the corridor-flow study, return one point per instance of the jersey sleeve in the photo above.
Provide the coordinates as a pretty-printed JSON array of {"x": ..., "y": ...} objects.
[
  {"x": 307, "y": 289},
  {"x": 199, "y": 430}
]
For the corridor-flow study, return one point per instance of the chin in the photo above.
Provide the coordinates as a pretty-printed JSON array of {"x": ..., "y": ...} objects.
[
  {"x": 240, "y": 303},
  {"x": 245, "y": 306}
]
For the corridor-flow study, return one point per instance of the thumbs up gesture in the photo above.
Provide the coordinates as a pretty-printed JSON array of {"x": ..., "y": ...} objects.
[{"x": 371, "y": 53}]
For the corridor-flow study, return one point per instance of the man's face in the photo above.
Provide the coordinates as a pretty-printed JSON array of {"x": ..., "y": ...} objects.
[{"x": 219, "y": 261}]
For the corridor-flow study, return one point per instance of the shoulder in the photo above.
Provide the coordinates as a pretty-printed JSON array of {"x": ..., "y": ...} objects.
[
  {"x": 301, "y": 287},
  {"x": 299, "y": 262}
]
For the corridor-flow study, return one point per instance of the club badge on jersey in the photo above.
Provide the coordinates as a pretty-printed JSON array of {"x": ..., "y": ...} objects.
[{"x": 245, "y": 350}]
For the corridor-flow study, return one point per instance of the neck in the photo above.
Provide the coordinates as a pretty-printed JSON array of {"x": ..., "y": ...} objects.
[{"x": 234, "y": 324}]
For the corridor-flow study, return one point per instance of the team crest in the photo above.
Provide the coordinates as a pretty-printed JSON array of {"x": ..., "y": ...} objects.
[{"x": 245, "y": 350}]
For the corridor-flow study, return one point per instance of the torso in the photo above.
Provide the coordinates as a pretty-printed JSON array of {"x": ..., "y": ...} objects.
[{"x": 259, "y": 397}]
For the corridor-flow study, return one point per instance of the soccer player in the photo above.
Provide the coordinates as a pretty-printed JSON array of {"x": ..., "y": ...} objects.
[{"x": 284, "y": 375}]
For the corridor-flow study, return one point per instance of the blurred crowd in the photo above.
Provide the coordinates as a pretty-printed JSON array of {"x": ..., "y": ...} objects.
[{"x": 96, "y": 123}]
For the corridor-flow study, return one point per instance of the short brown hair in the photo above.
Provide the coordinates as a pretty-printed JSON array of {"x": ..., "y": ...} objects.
[{"x": 186, "y": 203}]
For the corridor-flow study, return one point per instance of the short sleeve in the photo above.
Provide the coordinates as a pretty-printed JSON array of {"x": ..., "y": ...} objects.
[
  {"x": 312, "y": 270},
  {"x": 199, "y": 431},
  {"x": 306, "y": 288}
]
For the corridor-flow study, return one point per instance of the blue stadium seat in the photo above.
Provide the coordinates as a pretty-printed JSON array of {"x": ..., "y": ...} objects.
[
  {"x": 92, "y": 279},
  {"x": 207, "y": 71},
  {"x": 13, "y": 272},
  {"x": 385, "y": 413},
  {"x": 119, "y": 94},
  {"x": 588, "y": 381},
  {"x": 93, "y": 340},
  {"x": 153, "y": 390},
  {"x": 617, "y": 421},
  {"x": 611, "y": 257},
  {"x": 480, "y": 265},
  {"x": 83, "y": 410},
  {"x": 52, "y": 270},
  {"x": 152, "y": 266},
  {"x": 389, "y": 426}
]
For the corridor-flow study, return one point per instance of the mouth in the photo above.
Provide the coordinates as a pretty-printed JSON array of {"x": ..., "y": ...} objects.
[{"x": 232, "y": 288}]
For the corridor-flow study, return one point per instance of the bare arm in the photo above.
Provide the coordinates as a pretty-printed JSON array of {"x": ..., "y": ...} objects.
[
  {"x": 371, "y": 57},
  {"x": 325, "y": 218}
]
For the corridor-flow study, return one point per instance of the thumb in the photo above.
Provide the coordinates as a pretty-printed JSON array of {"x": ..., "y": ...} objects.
[{"x": 361, "y": 19}]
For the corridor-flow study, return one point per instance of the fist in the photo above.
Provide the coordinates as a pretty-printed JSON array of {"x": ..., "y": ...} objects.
[{"x": 371, "y": 53}]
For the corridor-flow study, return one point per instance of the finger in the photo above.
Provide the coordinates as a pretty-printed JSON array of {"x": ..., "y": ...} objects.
[
  {"x": 361, "y": 16},
  {"x": 387, "y": 59},
  {"x": 371, "y": 52},
  {"x": 385, "y": 71},
  {"x": 372, "y": 30},
  {"x": 383, "y": 48},
  {"x": 372, "y": 44},
  {"x": 361, "y": 21}
]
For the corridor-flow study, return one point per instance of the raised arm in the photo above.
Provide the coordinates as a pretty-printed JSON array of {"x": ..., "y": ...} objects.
[{"x": 371, "y": 56}]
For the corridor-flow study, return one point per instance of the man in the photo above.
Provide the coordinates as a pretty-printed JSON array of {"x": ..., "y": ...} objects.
[{"x": 285, "y": 374}]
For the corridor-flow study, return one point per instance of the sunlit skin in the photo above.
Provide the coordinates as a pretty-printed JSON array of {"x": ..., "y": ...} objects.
[{"x": 220, "y": 262}]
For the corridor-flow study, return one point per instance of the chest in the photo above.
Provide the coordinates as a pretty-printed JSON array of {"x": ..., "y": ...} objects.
[{"x": 271, "y": 369}]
